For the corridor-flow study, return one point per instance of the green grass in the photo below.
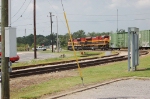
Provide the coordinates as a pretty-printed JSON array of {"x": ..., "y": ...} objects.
[
  {"x": 87, "y": 54},
  {"x": 69, "y": 56},
  {"x": 91, "y": 75},
  {"x": 50, "y": 51}
]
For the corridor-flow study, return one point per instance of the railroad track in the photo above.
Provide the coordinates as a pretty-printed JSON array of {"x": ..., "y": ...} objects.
[
  {"x": 66, "y": 65},
  {"x": 61, "y": 62}
]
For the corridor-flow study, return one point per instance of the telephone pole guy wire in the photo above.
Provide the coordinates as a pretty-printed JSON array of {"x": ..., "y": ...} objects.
[{"x": 79, "y": 69}]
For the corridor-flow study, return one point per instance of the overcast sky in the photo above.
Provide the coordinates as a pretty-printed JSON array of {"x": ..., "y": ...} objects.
[{"x": 88, "y": 15}]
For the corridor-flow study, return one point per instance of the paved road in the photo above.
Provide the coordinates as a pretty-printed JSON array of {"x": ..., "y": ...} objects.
[
  {"x": 125, "y": 89},
  {"x": 123, "y": 53},
  {"x": 27, "y": 56}
]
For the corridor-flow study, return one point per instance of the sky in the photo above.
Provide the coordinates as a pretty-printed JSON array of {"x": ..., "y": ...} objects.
[{"x": 87, "y": 15}]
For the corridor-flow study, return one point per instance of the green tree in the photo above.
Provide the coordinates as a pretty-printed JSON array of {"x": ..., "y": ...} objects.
[
  {"x": 64, "y": 40},
  {"x": 46, "y": 40},
  {"x": 30, "y": 39},
  {"x": 93, "y": 34},
  {"x": 79, "y": 34}
]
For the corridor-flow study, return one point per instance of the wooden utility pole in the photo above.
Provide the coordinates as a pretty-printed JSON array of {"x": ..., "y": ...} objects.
[
  {"x": 117, "y": 20},
  {"x": 34, "y": 21},
  {"x": 5, "y": 94},
  {"x": 57, "y": 35},
  {"x": 51, "y": 29}
]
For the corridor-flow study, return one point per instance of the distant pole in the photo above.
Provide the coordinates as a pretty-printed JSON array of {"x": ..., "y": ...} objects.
[
  {"x": 34, "y": 21},
  {"x": 25, "y": 32},
  {"x": 25, "y": 40},
  {"x": 51, "y": 29},
  {"x": 9, "y": 15},
  {"x": 57, "y": 35},
  {"x": 5, "y": 94},
  {"x": 117, "y": 20}
]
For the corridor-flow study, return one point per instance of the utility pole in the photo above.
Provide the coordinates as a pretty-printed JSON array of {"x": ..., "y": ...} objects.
[
  {"x": 9, "y": 14},
  {"x": 117, "y": 20},
  {"x": 34, "y": 21},
  {"x": 5, "y": 94},
  {"x": 25, "y": 32},
  {"x": 25, "y": 41},
  {"x": 57, "y": 35},
  {"x": 51, "y": 29}
]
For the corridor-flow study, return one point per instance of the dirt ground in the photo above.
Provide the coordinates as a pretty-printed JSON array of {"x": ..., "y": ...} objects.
[{"x": 22, "y": 82}]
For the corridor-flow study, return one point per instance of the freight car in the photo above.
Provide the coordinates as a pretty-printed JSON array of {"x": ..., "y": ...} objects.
[
  {"x": 144, "y": 39},
  {"x": 118, "y": 40}
]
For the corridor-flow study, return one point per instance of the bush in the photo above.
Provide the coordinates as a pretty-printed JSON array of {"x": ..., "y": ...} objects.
[{"x": 20, "y": 49}]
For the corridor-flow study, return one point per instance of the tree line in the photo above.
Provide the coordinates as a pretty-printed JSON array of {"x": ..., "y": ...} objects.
[{"x": 47, "y": 40}]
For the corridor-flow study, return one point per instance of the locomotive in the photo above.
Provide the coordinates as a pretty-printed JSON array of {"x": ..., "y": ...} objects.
[
  {"x": 112, "y": 41},
  {"x": 87, "y": 43}
]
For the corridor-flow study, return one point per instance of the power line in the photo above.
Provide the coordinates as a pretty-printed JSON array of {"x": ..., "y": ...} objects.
[
  {"x": 22, "y": 13},
  {"x": 96, "y": 15},
  {"x": 90, "y": 21},
  {"x": 105, "y": 14},
  {"x": 56, "y": 13},
  {"x": 19, "y": 9},
  {"x": 31, "y": 24}
]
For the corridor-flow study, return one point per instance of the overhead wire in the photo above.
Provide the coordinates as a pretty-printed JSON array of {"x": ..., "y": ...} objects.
[
  {"x": 89, "y": 21},
  {"x": 56, "y": 13},
  {"x": 19, "y": 9},
  {"x": 89, "y": 15},
  {"x": 79, "y": 69},
  {"x": 104, "y": 14},
  {"x": 22, "y": 13},
  {"x": 85, "y": 15}
]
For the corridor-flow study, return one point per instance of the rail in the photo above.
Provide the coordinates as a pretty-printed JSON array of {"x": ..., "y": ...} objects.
[{"x": 66, "y": 65}]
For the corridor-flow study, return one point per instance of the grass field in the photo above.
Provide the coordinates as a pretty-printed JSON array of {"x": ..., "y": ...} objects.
[{"x": 91, "y": 75}]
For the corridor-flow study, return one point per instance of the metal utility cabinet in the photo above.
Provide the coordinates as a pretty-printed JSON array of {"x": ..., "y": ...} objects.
[{"x": 10, "y": 42}]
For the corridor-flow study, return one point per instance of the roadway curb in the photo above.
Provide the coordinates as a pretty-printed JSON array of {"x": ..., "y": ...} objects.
[{"x": 97, "y": 85}]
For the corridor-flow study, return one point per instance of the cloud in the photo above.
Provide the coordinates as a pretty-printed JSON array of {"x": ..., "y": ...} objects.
[
  {"x": 30, "y": 7},
  {"x": 143, "y": 3},
  {"x": 131, "y": 3},
  {"x": 77, "y": 14},
  {"x": 55, "y": 7},
  {"x": 118, "y": 3},
  {"x": 82, "y": 7}
]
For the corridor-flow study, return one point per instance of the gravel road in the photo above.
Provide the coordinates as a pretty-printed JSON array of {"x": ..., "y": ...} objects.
[
  {"x": 125, "y": 89},
  {"x": 123, "y": 53}
]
